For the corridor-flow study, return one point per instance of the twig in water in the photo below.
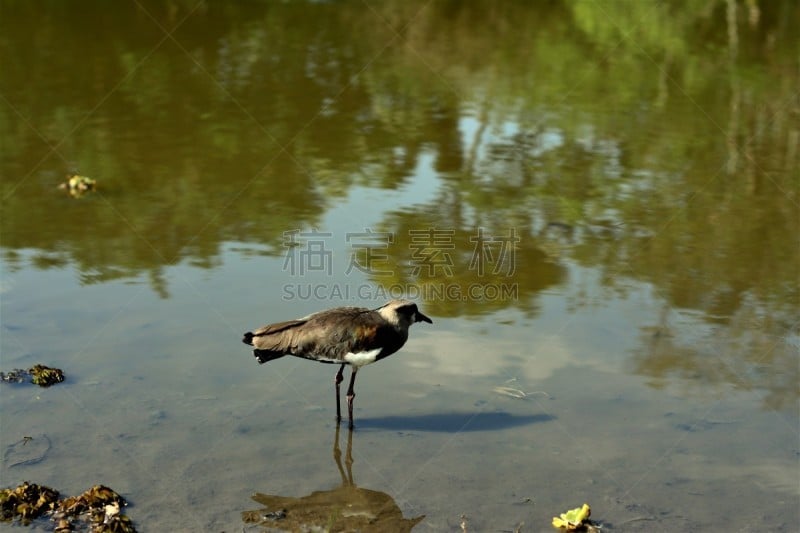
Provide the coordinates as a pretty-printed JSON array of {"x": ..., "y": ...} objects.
[{"x": 516, "y": 393}]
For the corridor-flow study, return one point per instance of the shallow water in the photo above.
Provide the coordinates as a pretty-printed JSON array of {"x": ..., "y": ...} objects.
[{"x": 598, "y": 207}]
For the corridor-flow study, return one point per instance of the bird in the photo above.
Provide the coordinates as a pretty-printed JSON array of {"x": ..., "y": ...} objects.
[{"x": 355, "y": 336}]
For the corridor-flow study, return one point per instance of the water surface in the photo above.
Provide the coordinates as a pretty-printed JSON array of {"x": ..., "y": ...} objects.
[{"x": 597, "y": 204}]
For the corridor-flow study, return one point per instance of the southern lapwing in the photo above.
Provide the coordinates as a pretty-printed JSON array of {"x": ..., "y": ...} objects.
[{"x": 353, "y": 336}]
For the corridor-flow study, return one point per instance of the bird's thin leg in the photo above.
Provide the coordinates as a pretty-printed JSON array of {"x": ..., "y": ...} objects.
[
  {"x": 350, "y": 395},
  {"x": 338, "y": 379}
]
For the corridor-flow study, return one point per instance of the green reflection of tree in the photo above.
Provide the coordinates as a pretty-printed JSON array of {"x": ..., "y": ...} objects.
[
  {"x": 663, "y": 135},
  {"x": 437, "y": 252}
]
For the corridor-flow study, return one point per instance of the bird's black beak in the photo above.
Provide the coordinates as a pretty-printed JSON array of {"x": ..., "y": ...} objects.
[{"x": 423, "y": 318}]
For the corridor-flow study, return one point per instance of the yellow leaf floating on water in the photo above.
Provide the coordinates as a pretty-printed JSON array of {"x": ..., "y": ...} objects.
[
  {"x": 81, "y": 182},
  {"x": 76, "y": 185},
  {"x": 573, "y": 519}
]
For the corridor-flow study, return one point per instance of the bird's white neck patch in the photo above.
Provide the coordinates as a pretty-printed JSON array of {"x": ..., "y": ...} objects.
[
  {"x": 389, "y": 314},
  {"x": 362, "y": 358}
]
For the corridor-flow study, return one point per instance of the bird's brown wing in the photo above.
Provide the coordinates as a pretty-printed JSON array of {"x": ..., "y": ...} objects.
[
  {"x": 275, "y": 337},
  {"x": 272, "y": 329},
  {"x": 303, "y": 336},
  {"x": 330, "y": 336}
]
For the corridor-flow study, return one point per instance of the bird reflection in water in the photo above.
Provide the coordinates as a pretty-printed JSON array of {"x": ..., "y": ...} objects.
[{"x": 345, "y": 508}]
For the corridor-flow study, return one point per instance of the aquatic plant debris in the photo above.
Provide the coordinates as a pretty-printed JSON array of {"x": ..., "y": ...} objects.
[
  {"x": 96, "y": 510},
  {"x": 574, "y": 519},
  {"x": 41, "y": 375},
  {"x": 26, "y": 502},
  {"x": 44, "y": 376},
  {"x": 77, "y": 185},
  {"x": 15, "y": 376}
]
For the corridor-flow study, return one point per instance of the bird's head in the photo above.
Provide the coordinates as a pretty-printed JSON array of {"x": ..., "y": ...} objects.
[{"x": 403, "y": 313}]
